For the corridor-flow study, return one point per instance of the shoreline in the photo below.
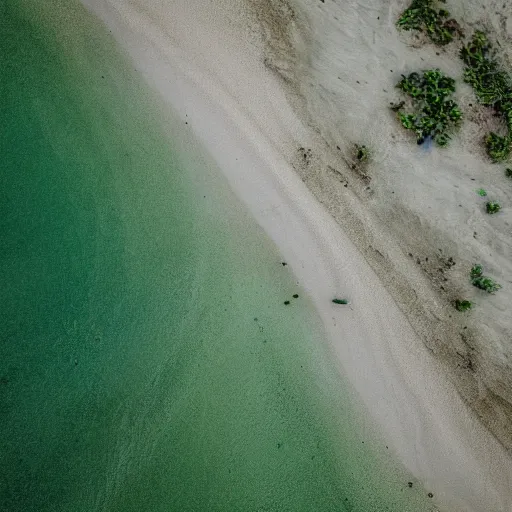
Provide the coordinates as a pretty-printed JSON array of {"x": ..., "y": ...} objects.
[{"x": 251, "y": 132}]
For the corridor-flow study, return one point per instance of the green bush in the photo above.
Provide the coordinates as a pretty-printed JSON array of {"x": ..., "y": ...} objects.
[
  {"x": 493, "y": 88},
  {"x": 492, "y": 207},
  {"x": 483, "y": 282},
  {"x": 508, "y": 172},
  {"x": 476, "y": 271},
  {"x": 435, "y": 112},
  {"x": 498, "y": 147},
  {"x": 463, "y": 305},
  {"x": 423, "y": 17},
  {"x": 486, "y": 283}
]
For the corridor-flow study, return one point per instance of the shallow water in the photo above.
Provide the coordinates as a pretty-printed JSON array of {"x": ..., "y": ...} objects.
[{"x": 147, "y": 359}]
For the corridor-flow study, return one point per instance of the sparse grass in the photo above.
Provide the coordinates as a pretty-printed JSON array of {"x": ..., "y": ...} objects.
[
  {"x": 362, "y": 153},
  {"x": 435, "y": 113},
  {"x": 463, "y": 305},
  {"x": 493, "y": 88},
  {"x": 422, "y": 16},
  {"x": 492, "y": 207},
  {"x": 481, "y": 192},
  {"x": 483, "y": 282}
]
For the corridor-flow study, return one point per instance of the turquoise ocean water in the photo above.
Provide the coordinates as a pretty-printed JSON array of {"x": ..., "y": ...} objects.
[{"x": 147, "y": 361}]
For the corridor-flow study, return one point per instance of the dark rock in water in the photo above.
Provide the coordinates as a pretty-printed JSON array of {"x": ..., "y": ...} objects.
[
  {"x": 409, "y": 484},
  {"x": 295, "y": 295},
  {"x": 284, "y": 263},
  {"x": 430, "y": 495},
  {"x": 340, "y": 301},
  {"x": 286, "y": 302}
]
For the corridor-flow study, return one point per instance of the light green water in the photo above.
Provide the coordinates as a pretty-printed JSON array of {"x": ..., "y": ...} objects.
[{"x": 147, "y": 362}]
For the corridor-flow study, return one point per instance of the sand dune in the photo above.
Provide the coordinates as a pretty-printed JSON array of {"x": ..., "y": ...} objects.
[{"x": 256, "y": 83}]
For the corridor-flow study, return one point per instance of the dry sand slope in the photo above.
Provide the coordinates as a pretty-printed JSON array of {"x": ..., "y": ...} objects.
[
  {"x": 415, "y": 209},
  {"x": 232, "y": 74}
]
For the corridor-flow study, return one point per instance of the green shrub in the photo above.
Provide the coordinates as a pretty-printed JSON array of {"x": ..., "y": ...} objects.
[
  {"x": 486, "y": 283},
  {"x": 423, "y": 17},
  {"x": 483, "y": 282},
  {"x": 493, "y": 88},
  {"x": 508, "y": 172},
  {"x": 492, "y": 207},
  {"x": 463, "y": 305},
  {"x": 498, "y": 147},
  {"x": 476, "y": 271},
  {"x": 481, "y": 192},
  {"x": 435, "y": 113}
]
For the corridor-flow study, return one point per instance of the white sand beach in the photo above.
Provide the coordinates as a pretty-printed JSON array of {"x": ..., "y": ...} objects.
[{"x": 212, "y": 63}]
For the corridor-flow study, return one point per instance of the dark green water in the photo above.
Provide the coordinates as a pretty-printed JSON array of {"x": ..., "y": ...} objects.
[{"x": 147, "y": 362}]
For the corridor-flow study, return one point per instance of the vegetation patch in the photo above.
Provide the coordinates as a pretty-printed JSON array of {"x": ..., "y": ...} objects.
[
  {"x": 362, "y": 153},
  {"x": 483, "y": 282},
  {"x": 422, "y": 16},
  {"x": 463, "y": 305},
  {"x": 492, "y": 207},
  {"x": 493, "y": 88},
  {"x": 435, "y": 112},
  {"x": 476, "y": 271},
  {"x": 481, "y": 192},
  {"x": 508, "y": 172}
]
